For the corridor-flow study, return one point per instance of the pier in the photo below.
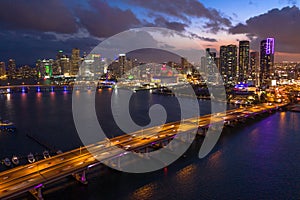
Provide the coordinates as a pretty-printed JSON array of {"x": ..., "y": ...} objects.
[{"x": 41, "y": 142}]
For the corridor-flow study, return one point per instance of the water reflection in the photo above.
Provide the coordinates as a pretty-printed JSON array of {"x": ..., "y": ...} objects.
[
  {"x": 214, "y": 159},
  {"x": 254, "y": 136},
  {"x": 39, "y": 96},
  {"x": 52, "y": 96},
  {"x": 187, "y": 175},
  {"x": 8, "y": 97},
  {"x": 145, "y": 192}
]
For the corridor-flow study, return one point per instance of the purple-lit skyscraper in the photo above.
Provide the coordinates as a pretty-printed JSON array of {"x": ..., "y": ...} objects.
[{"x": 266, "y": 60}]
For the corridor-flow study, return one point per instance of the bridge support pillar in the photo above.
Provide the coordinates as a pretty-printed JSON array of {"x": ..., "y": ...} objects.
[
  {"x": 202, "y": 131},
  {"x": 170, "y": 145},
  {"x": 119, "y": 162},
  {"x": 146, "y": 153},
  {"x": 37, "y": 193},
  {"x": 80, "y": 177}
]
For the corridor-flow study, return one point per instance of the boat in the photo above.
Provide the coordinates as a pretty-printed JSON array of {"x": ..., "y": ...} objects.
[
  {"x": 30, "y": 158},
  {"x": 7, "y": 162},
  {"x": 6, "y": 125},
  {"x": 15, "y": 160},
  {"x": 46, "y": 154}
]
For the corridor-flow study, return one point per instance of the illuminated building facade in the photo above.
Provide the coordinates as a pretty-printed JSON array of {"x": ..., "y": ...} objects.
[
  {"x": 228, "y": 63},
  {"x": 243, "y": 68},
  {"x": 266, "y": 60},
  {"x": 208, "y": 66},
  {"x": 2, "y": 69},
  {"x": 91, "y": 65},
  {"x": 11, "y": 69},
  {"x": 122, "y": 63},
  {"x": 254, "y": 68},
  {"x": 75, "y": 62},
  {"x": 44, "y": 68}
]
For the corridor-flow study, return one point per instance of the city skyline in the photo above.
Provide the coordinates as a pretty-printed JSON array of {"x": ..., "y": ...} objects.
[
  {"x": 28, "y": 35},
  {"x": 160, "y": 99}
]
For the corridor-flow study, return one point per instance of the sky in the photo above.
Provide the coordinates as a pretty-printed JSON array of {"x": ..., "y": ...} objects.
[{"x": 35, "y": 29}]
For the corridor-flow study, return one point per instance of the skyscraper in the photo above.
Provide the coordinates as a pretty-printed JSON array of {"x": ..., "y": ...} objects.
[
  {"x": 11, "y": 69},
  {"x": 208, "y": 66},
  {"x": 122, "y": 63},
  {"x": 44, "y": 68},
  {"x": 59, "y": 54},
  {"x": 210, "y": 61},
  {"x": 223, "y": 60},
  {"x": 75, "y": 61},
  {"x": 243, "y": 69},
  {"x": 2, "y": 69},
  {"x": 254, "y": 67},
  {"x": 266, "y": 60},
  {"x": 65, "y": 65},
  {"x": 228, "y": 63}
]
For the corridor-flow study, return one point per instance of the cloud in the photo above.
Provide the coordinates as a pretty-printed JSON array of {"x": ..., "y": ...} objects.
[
  {"x": 206, "y": 39},
  {"x": 162, "y": 22},
  {"x": 101, "y": 20},
  {"x": 125, "y": 41},
  {"x": 36, "y": 15},
  {"x": 283, "y": 25},
  {"x": 292, "y": 2},
  {"x": 184, "y": 10}
]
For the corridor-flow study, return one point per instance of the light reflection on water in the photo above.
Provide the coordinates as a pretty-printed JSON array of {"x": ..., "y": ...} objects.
[{"x": 145, "y": 192}]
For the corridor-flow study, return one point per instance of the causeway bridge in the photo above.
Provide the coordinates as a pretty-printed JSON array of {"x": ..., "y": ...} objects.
[{"x": 33, "y": 177}]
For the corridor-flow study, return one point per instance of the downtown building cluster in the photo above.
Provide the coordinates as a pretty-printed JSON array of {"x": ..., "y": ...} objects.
[
  {"x": 62, "y": 66},
  {"x": 237, "y": 64}
]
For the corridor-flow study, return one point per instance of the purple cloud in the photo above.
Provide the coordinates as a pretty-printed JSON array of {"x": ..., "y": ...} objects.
[
  {"x": 104, "y": 21},
  {"x": 184, "y": 10},
  {"x": 37, "y": 15},
  {"x": 162, "y": 22}
]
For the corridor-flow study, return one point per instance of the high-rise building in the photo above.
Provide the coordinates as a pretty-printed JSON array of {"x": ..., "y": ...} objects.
[
  {"x": 44, "y": 68},
  {"x": 91, "y": 66},
  {"x": 122, "y": 63},
  {"x": 254, "y": 67},
  {"x": 223, "y": 60},
  {"x": 11, "y": 69},
  {"x": 266, "y": 60},
  {"x": 25, "y": 72},
  {"x": 65, "y": 65},
  {"x": 228, "y": 63},
  {"x": 184, "y": 63},
  {"x": 97, "y": 67},
  {"x": 59, "y": 54},
  {"x": 208, "y": 66},
  {"x": 202, "y": 68},
  {"x": 2, "y": 69},
  {"x": 75, "y": 61},
  {"x": 243, "y": 68}
]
